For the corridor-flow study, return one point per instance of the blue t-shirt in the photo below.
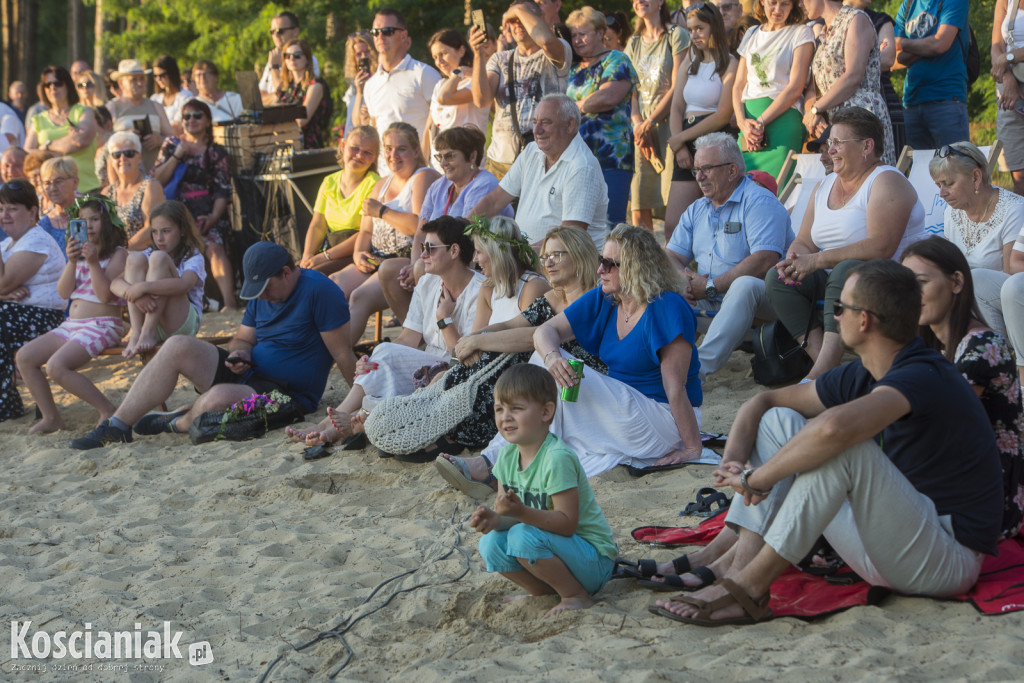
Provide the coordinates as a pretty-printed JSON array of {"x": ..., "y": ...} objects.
[
  {"x": 634, "y": 360},
  {"x": 945, "y": 446},
  {"x": 752, "y": 219},
  {"x": 943, "y": 77},
  {"x": 289, "y": 349}
]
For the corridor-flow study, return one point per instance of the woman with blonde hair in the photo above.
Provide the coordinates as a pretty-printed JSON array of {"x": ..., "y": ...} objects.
[
  {"x": 360, "y": 64},
  {"x": 59, "y": 185},
  {"x": 647, "y": 411},
  {"x": 135, "y": 194},
  {"x": 299, "y": 85},
  {"x": 91, "y": 90}
]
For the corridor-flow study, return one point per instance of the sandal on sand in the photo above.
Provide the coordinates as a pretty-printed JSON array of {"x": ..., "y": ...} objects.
[
  {"x": 755, "y": 610},
  {"x": 645, "y": 569},
  {"x": 457, "y": 474},
  {"x": 705, "y": 505},
  {"x": 674, "y": 582}
]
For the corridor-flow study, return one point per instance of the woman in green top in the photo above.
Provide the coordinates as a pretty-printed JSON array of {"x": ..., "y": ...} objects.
[
  {"x": 656, "y": 51},
  {"x": 67, "y": 128},
  {"x": 339, "y": 203}
]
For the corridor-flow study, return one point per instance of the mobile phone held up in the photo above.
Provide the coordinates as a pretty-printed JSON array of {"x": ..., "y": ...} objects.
[
  {"x": 78, "y": 231},
  {"x": 477, "y": 17}
]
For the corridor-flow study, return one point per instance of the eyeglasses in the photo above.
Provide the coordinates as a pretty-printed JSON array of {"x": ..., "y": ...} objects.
[
  {"x": 728, "y": 6},
  {"x": 950, "y": 150},
  {"x": 442, "y": 157},
  {"x": 387, "y": 31},
  {"x": 126, "y": 153},
  {"x": 554, "y": 257},
  {"x": 838, "y": 307},
  {"x": 428, "y": 247},
  {"x": 835, "y": 142},
  {"x": 293, "y": 55},
  {"x": 279, "y": 31},
  {"x": 189, "y": 115},
  {"x": 607, "y": 264},
  {"x": 53, "y": 84},
  {"x": 54, "y": 182},
  {"x": 707, "y": 168}
]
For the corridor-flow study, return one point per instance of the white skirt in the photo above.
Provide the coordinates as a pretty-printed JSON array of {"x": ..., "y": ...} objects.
[
  {"x": 610, "y": 424},
  {"x": 395, "y": 366}
]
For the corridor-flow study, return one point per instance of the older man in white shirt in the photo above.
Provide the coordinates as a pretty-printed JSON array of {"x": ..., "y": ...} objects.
[{"x": 557, "y": 178}]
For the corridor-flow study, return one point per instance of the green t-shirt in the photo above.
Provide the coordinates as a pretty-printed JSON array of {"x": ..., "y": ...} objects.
[
  {"x": 46, "y": 131},
  {"x": 340, "y": 212},
  {"x": 556, "y": 469}
]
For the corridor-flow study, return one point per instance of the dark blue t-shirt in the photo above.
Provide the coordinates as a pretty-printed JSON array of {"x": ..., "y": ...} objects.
[
  {"x": 945, "y": 446},
  {"x": 634, "y": 360},
  {"x": 289, "y": 348}
]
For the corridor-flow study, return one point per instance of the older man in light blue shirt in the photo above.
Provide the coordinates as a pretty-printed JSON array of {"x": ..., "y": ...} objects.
[{"x": 735, "y": 233}]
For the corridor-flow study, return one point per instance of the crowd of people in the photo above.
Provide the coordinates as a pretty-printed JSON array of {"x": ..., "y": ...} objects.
[{"x": 513, "y": 273}]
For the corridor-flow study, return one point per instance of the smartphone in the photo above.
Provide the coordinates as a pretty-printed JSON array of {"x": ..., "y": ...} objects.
[
  {"x": 477, "y": 17},
  {"x": 363, "y": 63},
  {"x": 78, "y": 231}
]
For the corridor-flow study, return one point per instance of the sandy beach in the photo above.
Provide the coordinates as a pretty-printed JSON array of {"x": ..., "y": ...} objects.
[{"x": 251, "y": 549}]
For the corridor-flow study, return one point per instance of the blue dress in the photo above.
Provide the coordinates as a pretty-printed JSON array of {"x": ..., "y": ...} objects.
[{"x": 634, "y": 359}]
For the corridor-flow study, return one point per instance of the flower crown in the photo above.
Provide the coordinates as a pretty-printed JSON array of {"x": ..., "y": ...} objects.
[
  {"x": 480, "y": 227},
  {"x": 107, "y": 206}
]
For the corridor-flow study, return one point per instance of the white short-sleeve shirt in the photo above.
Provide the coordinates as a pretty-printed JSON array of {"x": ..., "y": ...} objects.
[
  {"x": 402, "y": 94},
  {"x": 42, "y": 286},
  {"x": 422, "y": 315},
  {"x": 769, "y": 56},
  {"x": 573, "y": 189}
]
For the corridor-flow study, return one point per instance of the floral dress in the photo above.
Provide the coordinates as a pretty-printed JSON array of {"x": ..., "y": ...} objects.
[
  {"x": 608, "y": 134},
  {"x": 476, "y": 431},
  {"x": 207, "y": 178},
  {"x": 985, "y": 360},
  {"x": 829, "y": 64},
  {"x": 131, "y": 214},
  {"x": 318, "y": 126}
]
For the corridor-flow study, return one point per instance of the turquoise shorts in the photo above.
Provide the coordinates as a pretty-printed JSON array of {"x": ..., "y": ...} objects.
[{"x": 501, "y": 550}]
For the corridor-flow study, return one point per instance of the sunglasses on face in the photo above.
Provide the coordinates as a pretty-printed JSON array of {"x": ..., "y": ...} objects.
[
  {"x": 293, "y": 55},
  {"x": 126, "y": 153},
  {"x": 428, "y": 247},
  {"x": 607, "y": 264},
  {"x": 189, "y": 115},
  {"x": 442, "y": 157},
  {"x": 387, "y": 31},
  {"x": 162, "y": 74},
  {"x": 279, "y": 31},
  {"x": 838, "y": 307},
  {"x": 53, "y": 84}
]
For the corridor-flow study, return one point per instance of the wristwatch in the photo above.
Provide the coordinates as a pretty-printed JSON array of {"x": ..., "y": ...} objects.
[
  {"x": 444, "y": 322},
  {"x": 1009, "y": 56},
  {"x": 814, "y": 110},
  {"x": 750, "y": 489},
  {"x": 710, "y": 291}
]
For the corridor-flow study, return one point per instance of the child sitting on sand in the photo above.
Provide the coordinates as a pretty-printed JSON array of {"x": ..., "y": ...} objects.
[
  {"x": 94, "y": 317},
  {"x": 546, "y": 532}
]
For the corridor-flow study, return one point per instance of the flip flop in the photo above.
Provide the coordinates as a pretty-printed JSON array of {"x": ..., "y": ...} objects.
[
  {"x": 754, "y": 610},
  {"x": 457, "y": 474},
  {"x": 355, "y": 442},
  {"x": 705, "y": 505},
  {"x": 713, "y": 439},
  {"x": 316, "y": 452},
  {"x": 674, "y": 582}
]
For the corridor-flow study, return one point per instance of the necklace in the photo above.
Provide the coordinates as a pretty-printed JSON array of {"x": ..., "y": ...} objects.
[
  {"x": 630, "y": 313},
  {"x": 842, "y": 187},
  {"x": 988, "y": 207}
]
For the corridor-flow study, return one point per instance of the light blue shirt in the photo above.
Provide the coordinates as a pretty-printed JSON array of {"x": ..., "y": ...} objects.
[{"x": 752, "y": 219}]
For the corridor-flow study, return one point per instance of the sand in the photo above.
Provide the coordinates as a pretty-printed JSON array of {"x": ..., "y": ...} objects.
[{"x": 255, "y": 551}]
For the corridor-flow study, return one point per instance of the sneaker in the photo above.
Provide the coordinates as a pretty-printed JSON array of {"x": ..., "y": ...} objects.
[
  {"x": 158, "y": 422},
  {"x": 103, "y": 434}
]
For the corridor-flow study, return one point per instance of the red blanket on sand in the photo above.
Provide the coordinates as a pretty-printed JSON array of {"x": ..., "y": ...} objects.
[{"x": 1000, "y": 587}]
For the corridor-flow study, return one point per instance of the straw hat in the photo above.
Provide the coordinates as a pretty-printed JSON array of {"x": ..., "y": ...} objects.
[{"x": 129, "y": 67}]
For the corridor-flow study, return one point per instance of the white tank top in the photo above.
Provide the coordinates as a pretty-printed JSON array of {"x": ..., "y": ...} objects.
[
  {"x": 506, "y": 308},
  {"x": 834, "y": 228},
  {"x": 702, "y": 90}
]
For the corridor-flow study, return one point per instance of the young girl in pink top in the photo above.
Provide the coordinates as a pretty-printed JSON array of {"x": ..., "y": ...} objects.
[{"x": 94, "y": 317}]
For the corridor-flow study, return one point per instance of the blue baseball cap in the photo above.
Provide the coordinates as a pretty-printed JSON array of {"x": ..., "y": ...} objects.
[{"x": 261, "y": 262}]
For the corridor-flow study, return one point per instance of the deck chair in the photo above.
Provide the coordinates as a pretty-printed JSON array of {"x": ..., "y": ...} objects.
[{"x": 796, "y": 194}]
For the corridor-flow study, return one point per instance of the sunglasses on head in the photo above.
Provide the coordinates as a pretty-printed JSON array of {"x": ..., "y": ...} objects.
[
  {"x": 607, "y": 263},
  {"x": 950, "y": 150},
  {"x": 387, "y": 31},
  {"x": 13, "y": 186},
  {"x": 126, "y": 153},
  {"x": 189, "y": 115},
  {"x": 694, "y": 8}
]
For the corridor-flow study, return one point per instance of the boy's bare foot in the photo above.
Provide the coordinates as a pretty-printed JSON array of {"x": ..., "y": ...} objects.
[
  {"x": 45, "y": 426},
  {"x": 478, "y": 469},
  {"x": 147, "y": 341},
  {"x": 568, "y": 604}
]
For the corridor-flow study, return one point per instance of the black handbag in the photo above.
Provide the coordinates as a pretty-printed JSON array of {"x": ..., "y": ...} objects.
[{"x": 778, "y": 359}]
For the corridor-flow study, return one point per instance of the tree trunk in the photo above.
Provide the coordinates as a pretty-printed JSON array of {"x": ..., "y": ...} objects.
[
  {"x": 27, "y": 24},
  {"x": 99, "y": 59},
  {"x": 9, "y": 39},
  {"x": 76, "y": 31}
]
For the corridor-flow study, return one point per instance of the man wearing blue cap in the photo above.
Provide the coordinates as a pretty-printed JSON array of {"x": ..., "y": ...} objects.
[{"x": 275, "y": 348}]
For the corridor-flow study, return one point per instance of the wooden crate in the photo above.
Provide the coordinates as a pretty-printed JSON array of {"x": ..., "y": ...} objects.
[{"x": 245, "y": 141}]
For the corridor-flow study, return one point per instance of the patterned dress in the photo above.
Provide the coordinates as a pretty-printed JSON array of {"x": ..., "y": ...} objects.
[
  {"x": 477, "y": 430},
  {"x": 207, "y": 178},
  {"x": 985, "y": 360},
  {"x": 608, "y": 134},
  {"x": 829, "y": 65},
  {"x": 317, "y": 128}
]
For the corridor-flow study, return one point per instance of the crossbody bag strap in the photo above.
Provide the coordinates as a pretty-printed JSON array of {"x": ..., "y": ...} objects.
[
  {"x": 510, "y": 81},
  {"x": 1011, "y": 20}
]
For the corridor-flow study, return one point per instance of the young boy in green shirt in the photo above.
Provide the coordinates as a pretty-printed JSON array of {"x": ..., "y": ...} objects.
[{"x": 546, "y": 532}]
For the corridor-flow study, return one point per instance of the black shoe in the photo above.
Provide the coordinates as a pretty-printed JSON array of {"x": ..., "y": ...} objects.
[
  {"x": 158, "y": 422},
  {"x": 103, "y": 434}
]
